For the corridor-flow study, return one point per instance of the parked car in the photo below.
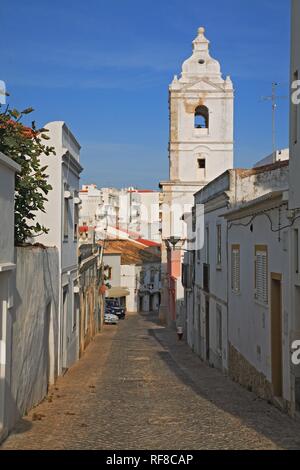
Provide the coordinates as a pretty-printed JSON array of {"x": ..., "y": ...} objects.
[
  {"x": 110, "y": 319},
  {"x": 113, "y": 306}
]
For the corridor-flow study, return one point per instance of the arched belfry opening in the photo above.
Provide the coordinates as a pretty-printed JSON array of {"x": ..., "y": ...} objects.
[{"x": 201, "y": 117}]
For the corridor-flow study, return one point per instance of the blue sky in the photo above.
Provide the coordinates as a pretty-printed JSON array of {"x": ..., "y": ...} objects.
[{"x": 104, "y": 67}]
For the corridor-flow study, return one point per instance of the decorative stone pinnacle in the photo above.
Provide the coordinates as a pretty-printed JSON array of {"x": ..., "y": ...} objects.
[{"x": 201, "y": 30}]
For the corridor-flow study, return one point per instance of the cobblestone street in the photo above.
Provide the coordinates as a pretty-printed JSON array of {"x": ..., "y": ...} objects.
[{"x": 136, "y": 387}]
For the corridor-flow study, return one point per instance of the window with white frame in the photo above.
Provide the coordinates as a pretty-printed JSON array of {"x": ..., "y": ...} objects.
[
  {"x": 235, "y": 268},
  {"x": 261, "y": 274}
]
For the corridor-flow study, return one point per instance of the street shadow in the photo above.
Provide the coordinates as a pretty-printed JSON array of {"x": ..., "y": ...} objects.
[{"x": 212, "y": 385}]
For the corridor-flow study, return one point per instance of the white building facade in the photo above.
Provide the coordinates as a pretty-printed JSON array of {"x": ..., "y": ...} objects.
[
  {"x": 294, "y": 189},
  {"x": 259, "y": 323},
  {"x": 90, "y": 197},
  {"x": 237, "y": 295},
  {"x": 206, "y": 297},
  {"x": 61, "y": 217}
]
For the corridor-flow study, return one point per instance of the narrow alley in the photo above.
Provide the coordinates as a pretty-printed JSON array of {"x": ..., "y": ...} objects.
[{"x": 137, "y": 387}]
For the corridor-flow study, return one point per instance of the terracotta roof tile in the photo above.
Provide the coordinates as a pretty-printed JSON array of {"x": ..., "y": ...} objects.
[{"x": 132, "y": 252}]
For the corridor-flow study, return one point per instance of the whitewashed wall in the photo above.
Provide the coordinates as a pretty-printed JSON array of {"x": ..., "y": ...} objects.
[
  {"x": 294, "y": 202},
  {"x": 34, "y": 341},
  {"x": 217, "y": 296},
  {"x": 129, "y": 276},
  {"x": 295, "y": 121},
  {"x": 63, "y": 168},
  {"x": 114, "y": 262},
  {"x": 195, "y": 300}
]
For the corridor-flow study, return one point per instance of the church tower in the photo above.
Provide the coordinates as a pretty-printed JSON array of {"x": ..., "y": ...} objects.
[
  {"x": 200, "y": 149},
  {"x": 201, "y": 119}
]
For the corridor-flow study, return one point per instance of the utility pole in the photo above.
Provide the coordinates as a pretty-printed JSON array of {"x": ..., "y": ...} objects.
[{"x": 273, "y": 98}]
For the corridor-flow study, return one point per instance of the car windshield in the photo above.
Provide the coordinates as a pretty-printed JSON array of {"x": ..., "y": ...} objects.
[{"x": 112, "y": 303}]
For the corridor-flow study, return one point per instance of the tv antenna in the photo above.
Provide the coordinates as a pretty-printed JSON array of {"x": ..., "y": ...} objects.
[{"x": 273, "y": 98}]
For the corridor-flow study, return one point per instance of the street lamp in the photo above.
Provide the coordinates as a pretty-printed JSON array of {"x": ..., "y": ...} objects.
[{"x": 173, "y": 241}]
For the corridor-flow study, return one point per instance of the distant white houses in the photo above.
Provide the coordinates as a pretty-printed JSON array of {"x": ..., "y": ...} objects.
[
  {"x": 148, "y": 214},
  {"x": 61, "y": 217},
  {"x": 130, "y": 210},
  {"x": 90, "y": 197}
]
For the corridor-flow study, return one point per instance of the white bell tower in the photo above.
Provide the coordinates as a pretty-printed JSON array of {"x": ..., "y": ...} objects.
[
  {"x": 200, "y": 149},
  {"x": 201, "y": 119}
]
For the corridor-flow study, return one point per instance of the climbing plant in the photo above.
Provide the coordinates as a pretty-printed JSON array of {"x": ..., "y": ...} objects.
[{"x": 25, "y": 145}]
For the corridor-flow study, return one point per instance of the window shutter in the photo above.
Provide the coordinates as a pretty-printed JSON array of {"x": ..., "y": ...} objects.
[
  {"x": 235, "y": 269},
  {"x": 261, "y": 276}
]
